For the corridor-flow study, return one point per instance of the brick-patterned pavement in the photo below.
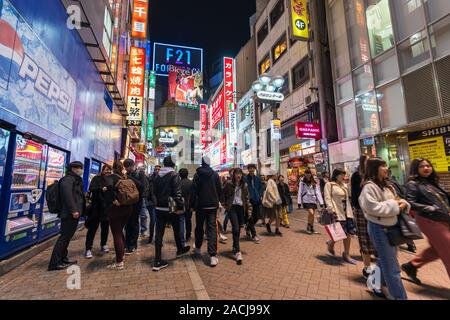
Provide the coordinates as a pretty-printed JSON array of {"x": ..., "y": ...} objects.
[{"x": 294, "y": 266}]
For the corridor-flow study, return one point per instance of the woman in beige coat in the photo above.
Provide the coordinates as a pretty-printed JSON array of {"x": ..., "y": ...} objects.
[
  {"x": 337, "y": 200},
  {"x": 272, "y": 205}
]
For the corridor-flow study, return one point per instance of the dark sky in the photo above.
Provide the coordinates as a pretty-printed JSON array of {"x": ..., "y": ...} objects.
[{"x": 220, "y": 27}]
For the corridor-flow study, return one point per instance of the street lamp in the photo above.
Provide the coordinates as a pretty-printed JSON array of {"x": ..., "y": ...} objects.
[{"x": 267, "y": 90}]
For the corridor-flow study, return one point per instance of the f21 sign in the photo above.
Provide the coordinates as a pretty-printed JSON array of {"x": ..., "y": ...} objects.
[
  {"x": 308, "y": 130},
  {"x": 168, "y": 57}
]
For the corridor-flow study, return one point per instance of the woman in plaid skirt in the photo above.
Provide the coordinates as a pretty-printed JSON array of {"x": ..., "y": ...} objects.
[{"x": 366, "y": 247}]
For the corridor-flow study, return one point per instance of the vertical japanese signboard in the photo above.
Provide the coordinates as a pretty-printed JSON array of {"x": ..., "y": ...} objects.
[
  {"x": 136, "y": 86},
  {"x": 203, "y": 125},
  {"x": 139, "y": 19},
  {"x": 228, "y": 87},
  {"x": 299, "y": 19},
  {"x": 150, "y": 125},
  {"x": 217, "y": 108}
]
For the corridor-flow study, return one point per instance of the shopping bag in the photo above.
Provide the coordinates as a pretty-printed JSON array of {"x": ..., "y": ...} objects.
[{"x": 335, "y": 231}]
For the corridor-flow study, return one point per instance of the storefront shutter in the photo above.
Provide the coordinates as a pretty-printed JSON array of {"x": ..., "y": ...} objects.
[{"x": 443, "y": 72}]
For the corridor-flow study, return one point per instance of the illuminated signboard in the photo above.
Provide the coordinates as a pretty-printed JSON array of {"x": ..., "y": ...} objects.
[
  {"x": 203, "y": 125},
  {"x": 308, "y": 130},
  {"x": 139, "y": 19},
  {"x": 186, "y": 87},
  {"x": 167, "y": 57},
  {"x": 228, "y": 87},
  {"x": 150, "y": 124},
  {"x": 217, "y": 108},
  {"x": 299, "y": 19},
  {"x": 136, "y": 86}
]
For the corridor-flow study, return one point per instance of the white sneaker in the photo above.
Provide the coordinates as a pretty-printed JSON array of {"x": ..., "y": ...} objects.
[
  {"x": 88, "y": 254},
  {"x": 222, "y": 238},
  {"x": 256, "y": 239},
  {"x": 105, "y": 249},
  {"x": 214, "y": 261},
  {"x": 239, "y": 258}
]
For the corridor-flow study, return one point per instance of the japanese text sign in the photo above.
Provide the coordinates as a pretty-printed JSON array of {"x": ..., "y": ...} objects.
[
  {"x": 299, "y": 19},
  {"x": 308, "y": 130},
  {"x": 136, "y": 76},
  {"x": 139, "y": 19}
]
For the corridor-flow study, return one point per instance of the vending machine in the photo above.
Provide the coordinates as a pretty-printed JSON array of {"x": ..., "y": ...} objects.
[
  {"x": 4, "y": 143},
  {"x": 53, "y": 166},
  {"x": 23, "y": 190}
]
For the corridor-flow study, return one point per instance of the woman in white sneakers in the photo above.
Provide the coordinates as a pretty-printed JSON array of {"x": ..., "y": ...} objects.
[{"x": 309, "y": 196}]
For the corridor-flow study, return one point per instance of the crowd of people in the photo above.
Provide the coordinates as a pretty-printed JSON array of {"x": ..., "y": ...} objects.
[{"x": 122, "y": 198}]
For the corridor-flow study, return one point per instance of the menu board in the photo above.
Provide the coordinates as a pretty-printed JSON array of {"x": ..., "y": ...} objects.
[
  {"x": 27, "y": 164},
  {"x": 434, "y": 150},
  {"x": 4, "y": 142}
]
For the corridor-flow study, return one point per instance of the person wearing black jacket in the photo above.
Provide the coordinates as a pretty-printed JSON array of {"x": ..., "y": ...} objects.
[
  {"x": 283, "y": 190},
  {"x": 151, "y": 202},
  {"x": 207, "y": 191},
  {"x": 166, "y": 185},
  {"x": 186, "y": 218},
  {"x": 132, "y": 227},
  {"x": 98, "y": 215},
  {"x": 73, "y": 205}
]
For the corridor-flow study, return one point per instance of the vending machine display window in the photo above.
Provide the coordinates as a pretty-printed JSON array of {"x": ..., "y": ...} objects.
[
  {"x": 27, "y": 164},
  {"x": 4, "y": 142}
]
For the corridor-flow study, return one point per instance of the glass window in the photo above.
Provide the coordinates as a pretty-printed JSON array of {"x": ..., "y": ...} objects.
[
  {"x": 347, "y": 121},
  {"x": 367, "y": 112},
  {"x": 339, "y": 39},
  {"x": 285, "y": 88},
  {"x": 264, "y": 65},
  {"x": 279, "y": 49},
  {"x": 247, "y": 139},
  {"x": 386, "y": 67},
  {"x": 440, "y": 37},
  {"x": 263, "y": 32},
  {"x": 409, "y": 17},
  {"x": 276, "y": 12},
  {"x": 392, "y": 106},
  {"x": 379, "y": 25},
  {"x": 344, "y": 89},
  {"x": 300, "y": 73},
  {"x": 359, "y": 41},
  {"x": 437, "y": 8},
  {"x": 363, "y": 78},
  {"x": 414, "y": 51},
  {"x": 107, "y": 32}
]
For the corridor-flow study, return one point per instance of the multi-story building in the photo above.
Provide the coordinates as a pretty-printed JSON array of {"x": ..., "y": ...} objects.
[{"x": 391, "y": 65}]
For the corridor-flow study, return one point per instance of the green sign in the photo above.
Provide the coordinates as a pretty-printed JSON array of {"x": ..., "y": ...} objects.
[
  {"x": 150, "y": 124},
  {"x": 152, "y": 79}
]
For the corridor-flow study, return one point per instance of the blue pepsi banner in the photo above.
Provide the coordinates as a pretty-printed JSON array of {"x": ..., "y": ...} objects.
[{"x": 33, "y": 83}]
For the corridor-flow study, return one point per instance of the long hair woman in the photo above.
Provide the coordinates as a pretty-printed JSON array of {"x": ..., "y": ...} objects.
[
  {"x": 432, "y": 206},
  {"x": 381, "y": 207},
  {"x": 309, "y": 196},
  {"x": 272, "y": 202}
]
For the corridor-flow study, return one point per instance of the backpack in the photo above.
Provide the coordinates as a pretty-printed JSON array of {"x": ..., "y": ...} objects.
[
  {"x": 53, "y": 198},
  {"x": 126, "y": 192}
]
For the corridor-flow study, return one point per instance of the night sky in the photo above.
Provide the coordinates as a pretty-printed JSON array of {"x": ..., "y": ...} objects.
[{"x": 220, "y": 27}]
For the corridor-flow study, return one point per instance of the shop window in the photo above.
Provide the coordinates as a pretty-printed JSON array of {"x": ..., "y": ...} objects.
[
  {"x": 436, "y": 8},
  {"x": 247, "y": 140},
  {"x": 414, "y": 51},
  {"x": 363, "y": 79},
  {"x": 279, "y": 49},
  {"x": 386, "y": 67},
  {"x": 357, "y": 30},
  {"x": 339, "y": 41},
  {"x": 242, "y": 115},
  {"x": 440, "y": 38},
  {"x": 344, "y": 89},
  {"x": 392, "y": 106},
  {"x": 367, "y": 113},
  {"x": 288, "y": 132},
  {"x": 347, "y": 121},
  {"x": 379, "y": 26},
  {"x": 263, "y": 32},
  {"x": 276, "y": 12},
  {"x": 300, "y": 73},
  {"x": 264, "y": 65},
  {"x": 409, "y": 17}
]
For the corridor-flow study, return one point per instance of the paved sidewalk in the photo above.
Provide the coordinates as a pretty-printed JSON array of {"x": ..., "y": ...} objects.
[{"x": 294, "y": 266}]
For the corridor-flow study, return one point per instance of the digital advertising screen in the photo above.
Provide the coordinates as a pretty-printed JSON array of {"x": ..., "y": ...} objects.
[
  {"x": 186, "y": 87},
  {"x": 168, "y": 57}
]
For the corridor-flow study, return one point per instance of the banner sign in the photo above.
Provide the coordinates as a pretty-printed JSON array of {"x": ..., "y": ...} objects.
[
  {"x": 136, "y": 76},
  {"x": 223, "y": 149},
  {"x": 232, "y": 130},
  {"x": 150, "y": 125},
  {"x": 167, "y": 57},
  {"x": 33, "y": 83},
  {"x": 217, "y": 108},
  {"x": 299, "y": 19},
  {"x": 186, "y": 87},
  {"x": 203, "y": 124},
  {"x": 139, "y": 19},
  {"x": 228, "y": 87},
  {"x": 308, "y": 130}
]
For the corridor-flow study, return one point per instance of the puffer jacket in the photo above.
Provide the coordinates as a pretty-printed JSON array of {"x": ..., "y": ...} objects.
[
  {"x": 228, "y": 193},
  {"x": 206, "y": 188}
]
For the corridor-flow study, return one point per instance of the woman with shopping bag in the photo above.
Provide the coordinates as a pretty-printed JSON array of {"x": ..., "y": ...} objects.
[{"x": 337, "y": 200}]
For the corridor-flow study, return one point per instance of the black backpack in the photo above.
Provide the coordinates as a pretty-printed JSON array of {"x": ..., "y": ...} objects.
[{"x": 53, "y": 198}]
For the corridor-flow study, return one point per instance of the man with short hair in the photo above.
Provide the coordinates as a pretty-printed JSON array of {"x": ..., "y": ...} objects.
[
  {"x": 255, "y": 189},
  {"x": 72, "y": 207}
]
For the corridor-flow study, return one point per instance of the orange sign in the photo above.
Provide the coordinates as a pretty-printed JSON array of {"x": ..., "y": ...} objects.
[
  {"x": 136, "y": 86},
  {"x": 139, "y": 19}
]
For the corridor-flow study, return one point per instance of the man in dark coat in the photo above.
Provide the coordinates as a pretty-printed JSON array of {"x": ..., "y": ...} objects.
[{"x": 73, "y": 205}]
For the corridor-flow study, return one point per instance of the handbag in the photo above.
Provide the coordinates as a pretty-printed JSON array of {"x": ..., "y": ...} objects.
[
  {"x": 326, "y": 217},
  {"x": 405, "y": 230}
]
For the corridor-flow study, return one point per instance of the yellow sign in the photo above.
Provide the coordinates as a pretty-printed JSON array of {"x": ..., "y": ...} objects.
[
  {"x": 299, "y": 20},
  {"x": 295, "y": 148},
  {"x": 432, "y": 149}
]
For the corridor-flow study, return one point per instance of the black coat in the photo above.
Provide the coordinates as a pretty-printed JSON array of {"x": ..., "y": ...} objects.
[
  {"x": 356, "y": 185},
  {"x": 99, "y": 197},
  {"x": 206, "y": 188},
  {"x": 168, "y": 185},
  {"x": 428, "y": 200},
  {"x": 72, "y": 195},
  {"x": 186, "y": 191},
  {"x": 285, "y": 195}
]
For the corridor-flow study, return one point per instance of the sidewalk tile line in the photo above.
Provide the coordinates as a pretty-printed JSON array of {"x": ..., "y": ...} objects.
[{"x": 196, "y": 280}]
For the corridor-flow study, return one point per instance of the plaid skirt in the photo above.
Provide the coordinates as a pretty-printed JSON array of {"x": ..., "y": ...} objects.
[{"x": 363, "y": 235}]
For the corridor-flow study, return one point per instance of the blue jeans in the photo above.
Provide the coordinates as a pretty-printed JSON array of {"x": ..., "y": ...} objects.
[
  {"x": 387, "y": 261},
  {"x": 143, "y": 217},
  {"x": 185, "y": 227}
]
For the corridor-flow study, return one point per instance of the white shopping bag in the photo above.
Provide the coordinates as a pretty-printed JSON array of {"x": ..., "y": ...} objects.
[{"x": 335, "y": 231}]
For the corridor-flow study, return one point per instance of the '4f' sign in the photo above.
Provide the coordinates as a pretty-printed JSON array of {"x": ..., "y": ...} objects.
[
  {"x": 74, "y": 19},
  {"x": 300, "y": 24}
]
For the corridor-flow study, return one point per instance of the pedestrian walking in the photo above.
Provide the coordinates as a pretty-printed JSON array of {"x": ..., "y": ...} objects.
[
  {"x": 151, "y": 203},
  {"x": 121, "y": 198},
  {"x": 186, "y": 217},
  {"x": 144, "y": 213},
  {"x": 236, "y": 200},
  {"x": 431, "y": 204},
  {"x": 169, "y": 206},
  {"x": 381, "y": 208},
  {"x": 272, "y": 205},
  {"x": 72, "y": 203},
  {"x": 283, "y": 190},
  {"x": 365, "y": 244},
  {"x": 255, "y": 190},
  {"x": 132, "y": 227},
  {"x": 324, "y": 179},
  {"x": 309, "y": 197},
  {"x": 337, "y": 200},
  {"x": 98, "y": 215},
  {"x": 261, "y": 207},
  {"x": 207, "y": 190}
]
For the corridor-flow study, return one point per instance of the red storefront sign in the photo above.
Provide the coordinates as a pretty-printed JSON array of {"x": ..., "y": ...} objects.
[
  {"x": 203, "y": 126},
  {"x": 308, "y": 130},
  {"x": 139, "y": 19},
  {"x": 228, "y": 84},
  {"x": 217, "y": 108},
  {"x": 223, "y": 149},
  {"x": 136, "y": 75}
]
